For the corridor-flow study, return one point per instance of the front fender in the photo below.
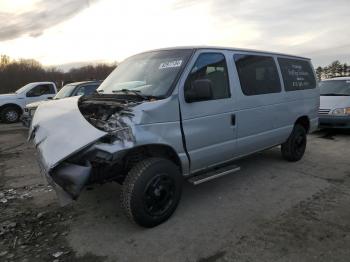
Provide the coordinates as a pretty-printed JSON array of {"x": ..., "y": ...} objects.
[
  {"x": 11, "y": 102},
  {"x": 162, "y": 134}
]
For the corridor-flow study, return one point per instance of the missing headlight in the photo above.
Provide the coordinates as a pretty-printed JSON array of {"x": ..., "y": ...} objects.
[{"x": 109, "y": 115}]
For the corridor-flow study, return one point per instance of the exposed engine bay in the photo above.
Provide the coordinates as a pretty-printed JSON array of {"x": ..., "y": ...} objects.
[
  {"x": 109, "y": 113},
  {"x": 100, "y": 145}
]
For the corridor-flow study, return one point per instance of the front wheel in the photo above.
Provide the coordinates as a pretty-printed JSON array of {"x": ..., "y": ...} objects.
[
  {"x": 10, "y": 115},
  {"x": 294, "y": 148},
  {"x": 151, "y": 191}
]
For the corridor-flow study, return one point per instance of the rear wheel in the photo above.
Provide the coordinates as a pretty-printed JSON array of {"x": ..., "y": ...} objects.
[
  {"x": 151, "y": 191},
  {"x": 294, "y": 148},
  {"x": 10, "y": 115}
]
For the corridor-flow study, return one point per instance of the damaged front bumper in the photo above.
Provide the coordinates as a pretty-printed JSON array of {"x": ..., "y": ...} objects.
[
  {"x": 68, "y": 138},
  {"x": 59, "y": 132},
  {"x": 67, "y": 179}
]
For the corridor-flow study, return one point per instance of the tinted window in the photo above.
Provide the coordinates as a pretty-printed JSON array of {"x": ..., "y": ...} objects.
[
  {"x": 297, "y": 74},
  {"x": 257, "y": 74},
  {"x": 40, "y": 90},
  {"x": 211, "y": 66},
  {"x": 86, "y": 90}
]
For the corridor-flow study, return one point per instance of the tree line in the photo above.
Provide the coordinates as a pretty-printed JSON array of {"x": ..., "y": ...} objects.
[
  {"x": 17, "y": 73},
  {"x": 335, "y": 69}
]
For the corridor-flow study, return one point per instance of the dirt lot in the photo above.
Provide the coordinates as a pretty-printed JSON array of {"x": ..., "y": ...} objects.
[{"x": 272, "y": 210}]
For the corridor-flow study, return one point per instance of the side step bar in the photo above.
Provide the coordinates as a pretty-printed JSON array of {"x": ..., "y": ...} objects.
[{"x": 199, "y": 179}]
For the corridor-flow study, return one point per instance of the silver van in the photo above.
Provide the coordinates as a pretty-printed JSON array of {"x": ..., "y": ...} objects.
[
  {"x": 175, "y": 114},
  {"x": 335, "y": 103}
]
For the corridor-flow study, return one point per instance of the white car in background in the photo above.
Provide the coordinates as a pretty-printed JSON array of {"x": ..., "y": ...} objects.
[
  {"x": 335, "y": 103},
  {"x": 12, "y": 105},
  {"x": 71, "y": 89}
]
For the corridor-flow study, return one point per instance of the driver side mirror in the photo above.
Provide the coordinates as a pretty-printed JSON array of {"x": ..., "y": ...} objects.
[{"x": 199, "y": 90}]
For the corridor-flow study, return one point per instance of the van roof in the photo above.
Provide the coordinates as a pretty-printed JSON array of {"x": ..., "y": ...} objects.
[{"x": 230, "y": 49}]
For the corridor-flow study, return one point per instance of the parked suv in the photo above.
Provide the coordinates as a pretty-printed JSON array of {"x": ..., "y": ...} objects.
[
  {"x": 335, "y": 103},
  {"x": 12, "y": 105},
  {"x": 167, "y": 115},
  {"x": 71, "y": 89}
]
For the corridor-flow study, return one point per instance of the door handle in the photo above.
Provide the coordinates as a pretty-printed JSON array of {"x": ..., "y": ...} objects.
[{"x": 233, "y": 119}]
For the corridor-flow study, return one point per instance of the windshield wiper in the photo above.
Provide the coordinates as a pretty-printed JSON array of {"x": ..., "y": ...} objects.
[
  {"x": 135, "y": 92},
  {"x": 334, "y": 94}
]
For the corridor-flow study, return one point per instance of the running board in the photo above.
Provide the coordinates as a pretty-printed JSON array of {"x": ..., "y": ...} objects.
[{"x": 196, "y": 180}]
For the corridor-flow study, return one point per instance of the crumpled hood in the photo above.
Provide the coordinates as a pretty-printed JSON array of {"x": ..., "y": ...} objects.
[
  {"x": 332, "y": 102},
  {"x": 59, "y": 130}
]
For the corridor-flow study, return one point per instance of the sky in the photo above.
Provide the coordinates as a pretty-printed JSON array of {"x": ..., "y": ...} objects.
[{"x": 68, "y": 32}]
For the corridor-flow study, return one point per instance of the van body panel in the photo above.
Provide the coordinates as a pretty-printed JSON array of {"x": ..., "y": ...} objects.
[
  {"x": 273, "y": 114},
  {"x": 202, "y": 134},
  {"x": 207, "y": 125}
]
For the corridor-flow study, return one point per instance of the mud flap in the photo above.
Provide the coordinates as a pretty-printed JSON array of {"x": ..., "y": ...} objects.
[{"x": 69, "y": 180}]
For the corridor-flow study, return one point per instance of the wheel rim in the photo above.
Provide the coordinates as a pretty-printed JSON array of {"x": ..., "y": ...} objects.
[
  {"x": 159, "y": 195},
  {"x": 300, "y": 142},
  {"x": 11, "y": 116}
]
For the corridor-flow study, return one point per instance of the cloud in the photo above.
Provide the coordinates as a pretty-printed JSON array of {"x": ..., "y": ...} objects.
[
  {"x": 43, "y": 15},
  {"x": 312, "y": 28},
  {"x": 300, "y": 27}
]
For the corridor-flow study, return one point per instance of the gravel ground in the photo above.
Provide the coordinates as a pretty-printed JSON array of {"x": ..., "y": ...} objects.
[{"x": 271, "y": 210}]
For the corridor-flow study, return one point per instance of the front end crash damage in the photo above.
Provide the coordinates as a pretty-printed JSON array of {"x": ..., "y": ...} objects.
[
  {"x": 68, "y": 179},
  {"x": 110, "y": 115},
  {"x": 71, "y": 135}
]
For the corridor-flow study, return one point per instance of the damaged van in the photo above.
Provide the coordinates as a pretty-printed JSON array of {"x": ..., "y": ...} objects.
[{"x": 169, "y": 115}]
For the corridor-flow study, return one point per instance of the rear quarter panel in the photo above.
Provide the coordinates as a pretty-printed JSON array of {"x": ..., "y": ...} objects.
[{"x": 267, "y": 120}]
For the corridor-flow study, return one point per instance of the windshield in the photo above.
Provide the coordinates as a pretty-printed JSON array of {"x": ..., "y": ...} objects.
[
  {"x": 24, "y": 88},
  {"x": 335, "y": 88},
  {"x": 66, "y": 91},
  {"x": 149, "y": 74}
]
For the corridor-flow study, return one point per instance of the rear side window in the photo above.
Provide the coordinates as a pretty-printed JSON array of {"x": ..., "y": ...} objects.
[
  {"x": 211, "y": 66},
  {"x": 257, "y": 74},
  {"x": 297, "y": 74}
]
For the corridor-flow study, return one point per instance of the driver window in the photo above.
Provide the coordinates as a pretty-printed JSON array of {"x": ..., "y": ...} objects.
[
  {"x": 41, "y": 90},
  {"x": 211, "y": 66}
]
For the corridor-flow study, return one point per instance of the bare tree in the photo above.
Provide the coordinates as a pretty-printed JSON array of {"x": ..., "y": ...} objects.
[{"x": 16, "y": 73}]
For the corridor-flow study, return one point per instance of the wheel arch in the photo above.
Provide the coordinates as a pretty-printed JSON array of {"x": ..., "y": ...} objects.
[
  {"x": 18, "y": 107},
  {"x": 304, "y": 121},
  {"x": 153, "y": 150}
]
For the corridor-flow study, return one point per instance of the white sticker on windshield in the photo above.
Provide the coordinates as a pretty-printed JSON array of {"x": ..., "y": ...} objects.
[{"x": 176, "y": 63}]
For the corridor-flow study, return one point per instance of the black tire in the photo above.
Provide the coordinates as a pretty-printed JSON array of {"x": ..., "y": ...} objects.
[
  {"x": 151, "y": 191},
  {"x": 10, "y": 115},
  {"x": 294, "y": 148}
]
